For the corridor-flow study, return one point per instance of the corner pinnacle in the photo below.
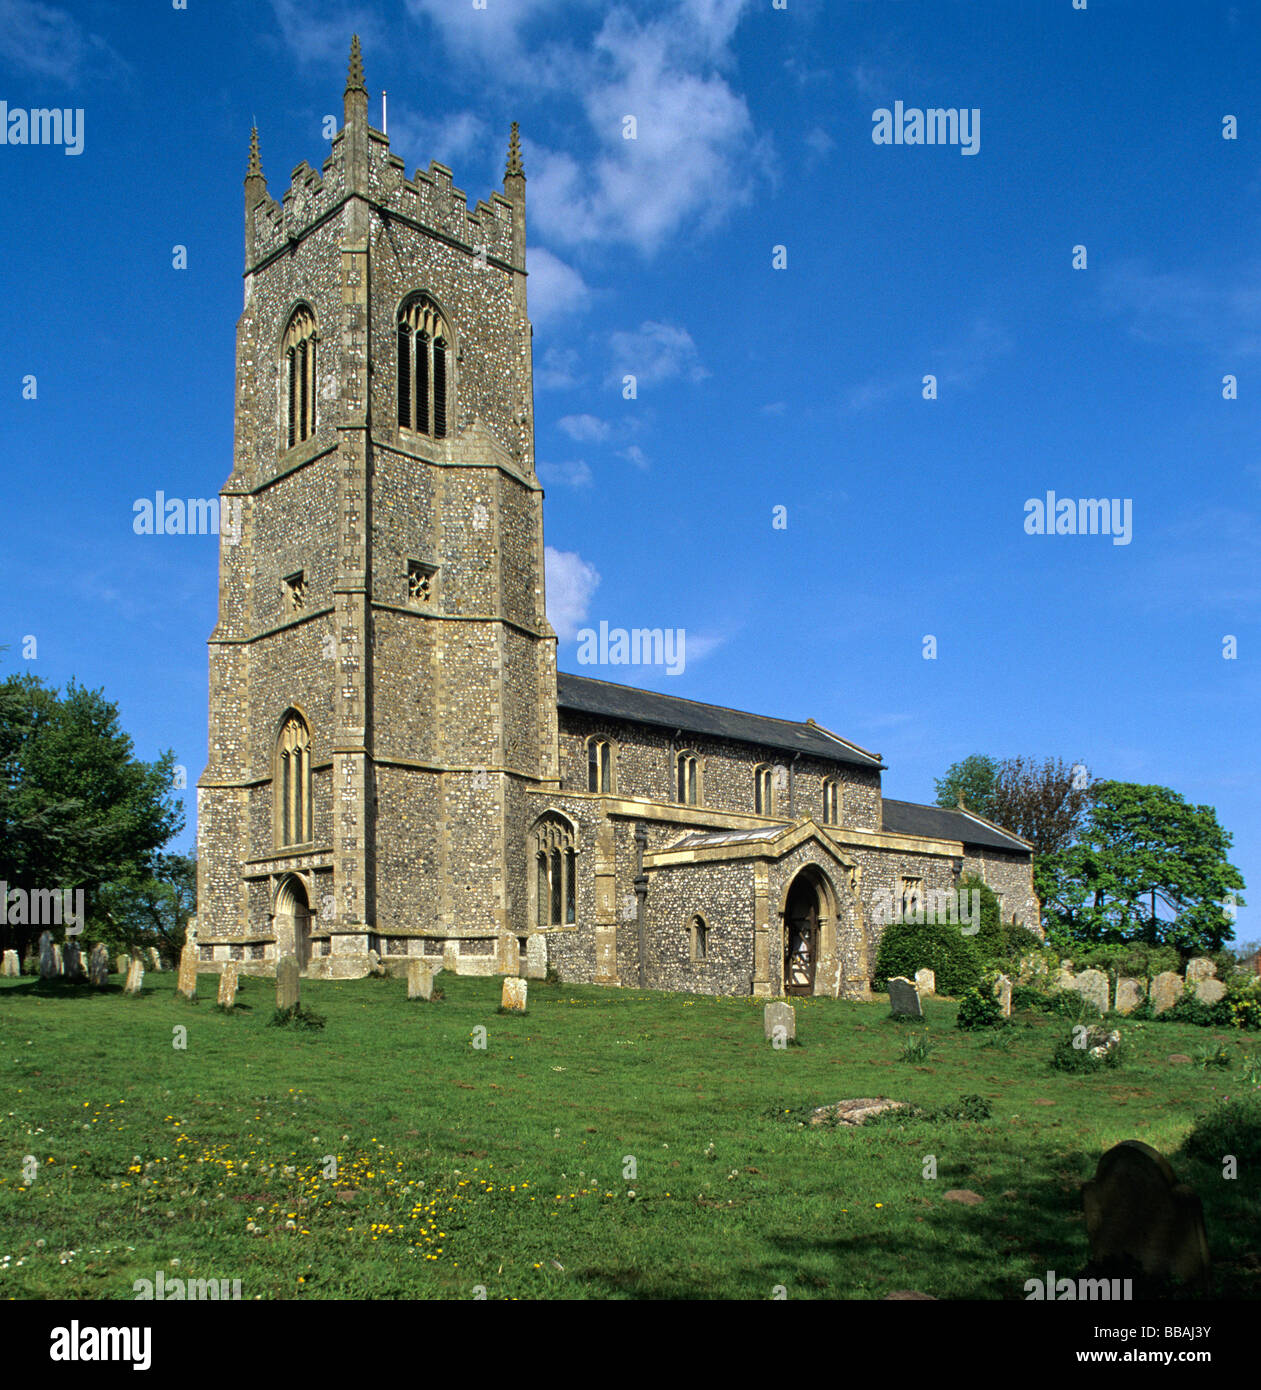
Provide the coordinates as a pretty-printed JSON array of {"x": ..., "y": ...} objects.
[
  {"x": 354, "y": 80},
  {"x": 514, "y": 169},
  {"x": 255, "y": 170}
]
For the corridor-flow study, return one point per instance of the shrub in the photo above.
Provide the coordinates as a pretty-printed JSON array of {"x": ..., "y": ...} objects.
[
  {"x": 1231, "y": 1127},
  {"x": 1021, "y": 941},
  {"x": 1073, "y": 1004},
  {"x": 940, "y": 947},
  {"x": 296, "y": 1017},
  {"x": 1217, "y": 1056},
  {"x": 1074, "y": 1054},
  {"x": 1189, "y": 1009},
  {"x": 989, "y": 942},
  {"x": 977, "y": 1009},
  {"x": 917, "y": 1049},
  {"x": 1032, "y": 999},
  {"x": 552, "y": 977}
]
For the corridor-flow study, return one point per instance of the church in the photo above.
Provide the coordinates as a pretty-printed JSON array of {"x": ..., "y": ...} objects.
[{"x": 396, "y": 768}]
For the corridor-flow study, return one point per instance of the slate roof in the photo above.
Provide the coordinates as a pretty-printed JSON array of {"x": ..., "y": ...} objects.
[
  {"x": 584, "y": 695},
  {"x": 939, "y": 823}
]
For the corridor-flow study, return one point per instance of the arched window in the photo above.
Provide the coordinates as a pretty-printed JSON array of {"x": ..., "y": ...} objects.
[
  {"x": 424, "y": 345},
  {"x": 599, "y": 765},
  {"x": 698, "y": 939},
  {"x": 687, "y": 779},
  {"x": 299, "y": 366},
  {"x": 831, "y": 803},
  {"x": 555, "y": 872},
  {"x": 764, "y": 790},
  {"x": 293, "y": 782}
]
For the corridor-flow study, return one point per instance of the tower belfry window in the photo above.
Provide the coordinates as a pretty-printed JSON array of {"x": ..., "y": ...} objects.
[
  {"x": 424, "y": 341},
  {"x": 299, "y": 367}
]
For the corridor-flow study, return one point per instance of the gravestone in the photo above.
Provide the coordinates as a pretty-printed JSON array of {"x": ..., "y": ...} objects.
[
  {"x": 74, "y": 962},
  {"x": 926, "y": 982},
  {"x": 186, "y": 983},
  {"x": 287, "y": 986},
  {"x": 536, "y": 956},
  {"x": 155, "y": 959},
  {"x": 1064, "y": 978},
  {"x": 98, "y": 965},
  {"x": 1201, "y": 968},
  {"x": 48, "y": 966},
  {"x": 1129, "y": 994},
  {"x": 1033, "y": 970},
  {"x": 1101, "y": 1044},
  {"x": 12, "y": 967},
  {"x": 1002, "y": 992},
  {"x": 1092, "y": 985},
  {"x": 904, "y": 998},
  {"x": 1137, "y": 1211},
  {"x": 509, "y": 955},
  {"x": 375, "y": 966},
  {"x": 59, "y": 964},
  {"x": 419, "y": 980},
  {"x": 514, "y": 995},
  {"x": 1209, "y": 991},
  {"x": 451, "y": 956},
  {"x": 227, "y": 985},
  {"x": 1166, "y": 991},
  {"x": 777, "y": 1014},
  {"x": 135, "y": 977},
  {"x": 122, "y": 963}
]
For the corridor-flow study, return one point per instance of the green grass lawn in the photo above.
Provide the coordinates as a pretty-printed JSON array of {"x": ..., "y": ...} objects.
[{"x": 504, "y": 1167}]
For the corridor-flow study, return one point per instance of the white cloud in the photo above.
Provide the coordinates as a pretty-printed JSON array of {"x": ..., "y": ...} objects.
[
  {"x": 456, "y": 139},
  {"x": 493, "y": 34},
  {"x": 558, "y": 369},
  {"x": 634, "y": 454},
  {"x": 571, "y": 582},
  {"x": 554, "y": 288},
  {"x": 584, "y": 428},
  {"x": 326, "y": 39},
  {"x": 654, "y": 353},
  {"x": 50, "y": 42},
  {"x": 574, "y": 474}
]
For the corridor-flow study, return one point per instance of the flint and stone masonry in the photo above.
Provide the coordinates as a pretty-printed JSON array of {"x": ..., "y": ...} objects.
[{"x": 396, "y": 771}]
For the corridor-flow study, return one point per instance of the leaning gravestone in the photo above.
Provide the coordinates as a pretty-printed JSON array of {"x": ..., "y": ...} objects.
[
  {"x": 135, "y": 977},
  {"x": 926, "y": 982},
  {"x": 48, "y": 964},
  {"x": 155, "y": 959},
  {"x": 1137, "y": 1211},
  {"x": 514, "y": 995},
  {"x": 227, "y": 985},
  {"x": 59, "y": 962},
  {"x": 536, "y": 956},
  {"x": 904, "y": 998},
  {"x": 1209, "y": 991},
  {"x": 287, "y": 987},
  {"x": 12, "y": 966},
  {"x": 1201, "y": 968},
  {"x": 1129, "y": 994},
  {"x": 1166, "y": 991},
  {"x": 419, "y": 980},
  {"x": 1002, "y": 992},
  {"x": 186, "y": 983},
  {"x": 777, "y": 1014},
  {"x": 122, "y": 962},
  {"x": 98, "y": 965}
]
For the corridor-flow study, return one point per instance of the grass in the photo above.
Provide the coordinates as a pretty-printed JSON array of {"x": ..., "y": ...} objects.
[{"x": 609, "y": 1143}]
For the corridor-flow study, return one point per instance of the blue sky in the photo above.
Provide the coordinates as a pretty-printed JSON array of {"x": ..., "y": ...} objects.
[{"x": 759, "y": 388}]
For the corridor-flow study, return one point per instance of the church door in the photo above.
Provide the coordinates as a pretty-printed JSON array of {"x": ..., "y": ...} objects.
[
  {"x": 292, "y": 922},
  {"x": 801, "y": 938}
]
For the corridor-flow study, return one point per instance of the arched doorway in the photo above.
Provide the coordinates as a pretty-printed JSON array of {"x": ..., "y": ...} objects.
[
  {"x": 804, "y": 912},
  {"x": 292, "y": 921}
]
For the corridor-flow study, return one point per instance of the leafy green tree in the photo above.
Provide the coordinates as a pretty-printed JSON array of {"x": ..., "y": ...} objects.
[
  {"x": 1045, "y": 803},
  {"x": 77, "y": 808},
  {"x": 1149, "y": 866},
  {"x": 150, "y": 905},
  {"x": 974, "y": 780}
]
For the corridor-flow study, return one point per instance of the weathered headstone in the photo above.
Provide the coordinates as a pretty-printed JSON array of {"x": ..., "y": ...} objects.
[
  {"x": 155, "y": 959},
  {"x": 12, "y": 966},
  {"x": 514, "y": 995},
  {"x": 375, "y": 967},
  {"x": 1129, "y": 994},
  {"x": 1064, "y": 978},
  {"x": 74, "y": 962},
  {"x": 98, "y": 965},
  {"x": 135, "y": 977},
  {"x": 451, "y": 956},
  {"x": 1101, "y": 1043},
  {"x": 1166, "y": 991},
  {"x": 419, "y": 979},
  {"x": 1201, "y": 968},
  {"x": 122, "y": 963},
  {"x": 536, "y": 956},
  {"x": 1002, "y": 992},
  {"x": 1209, "y": 991},
  {"x": 48, "y": 964},
  {"x": 59, "y": 964},
  {"x": 904, "y": 998},
  {"x": 186, "y": 981},
  {"x": 926, "y": 982},
  {"x": 287, "y": 978},
  {"x": 778, "y": 1014},
  {"x": 1092, "y": 985},
  {"x": 1137, "y": 1211},
  {"x": 227, "y": 985}
]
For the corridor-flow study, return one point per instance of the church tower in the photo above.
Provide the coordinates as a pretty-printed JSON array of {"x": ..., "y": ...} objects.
[{"x": 382, "y": 674}]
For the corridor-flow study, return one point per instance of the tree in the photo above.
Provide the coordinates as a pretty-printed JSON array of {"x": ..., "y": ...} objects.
[
  {"x": 973, "y": 780},
  {"x": 1142, "y": 849},
  {"x": 1044, "y": 803},
  {"x": 150, "y": 906},
  {"x": 77, "y": 808}
]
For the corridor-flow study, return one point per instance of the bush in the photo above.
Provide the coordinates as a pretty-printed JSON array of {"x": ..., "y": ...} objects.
[
  {"x": 918, "y": 1048},
  {"x": 1032, "y": 999},
  {"x": 989, "y": 943},
  {"x": 296, "y": 1017},
  {"x": 1189, "y": 1009},
  {"x": 940, "y": 947},
  {"x": 1073, "y": 1053},
  {"x": 1231, "y": 1127},
  {"x": 1072, "y": 1004},
  {"x": 977, "y": 1009},
  {"x": 1135, "y": 959}
]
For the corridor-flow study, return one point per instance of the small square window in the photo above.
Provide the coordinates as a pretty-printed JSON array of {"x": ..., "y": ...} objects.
[{"x": 420, "y": 582}]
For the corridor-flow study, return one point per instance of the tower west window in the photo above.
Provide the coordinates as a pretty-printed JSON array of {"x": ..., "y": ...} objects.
[
  {"x": 424, "y": 343},
  {"x": 293, "y": 782},
  {"x": 299, "y": 367}
]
